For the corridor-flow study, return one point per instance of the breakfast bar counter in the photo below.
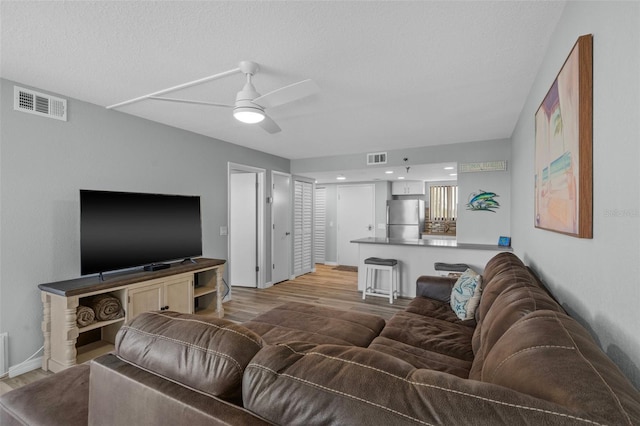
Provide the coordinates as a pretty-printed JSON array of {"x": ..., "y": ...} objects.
[{"x": 417, "y": 257}]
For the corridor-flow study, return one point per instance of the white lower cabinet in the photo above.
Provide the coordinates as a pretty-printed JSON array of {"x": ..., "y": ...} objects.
[{"x": 174, "y": 295}]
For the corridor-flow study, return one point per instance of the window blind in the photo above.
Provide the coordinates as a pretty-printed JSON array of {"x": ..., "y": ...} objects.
[{"x": 443, "y": 200}]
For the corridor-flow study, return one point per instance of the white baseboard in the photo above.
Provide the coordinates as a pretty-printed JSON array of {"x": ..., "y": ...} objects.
[
  {"x": 25, "y": 367},
  {"x": 331, "y": 263}
]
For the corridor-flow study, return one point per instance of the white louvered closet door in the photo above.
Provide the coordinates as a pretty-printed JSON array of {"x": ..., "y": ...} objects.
[
  {"x": 302, "y": 227},
  {"x": 320, "y": 225}
]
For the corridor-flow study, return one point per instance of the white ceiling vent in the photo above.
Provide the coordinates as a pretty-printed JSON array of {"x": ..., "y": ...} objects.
[
  {"x": 376, "y": 158},
  {"x": 33, "y": 102},
  {"x": 488, "y": 166}
]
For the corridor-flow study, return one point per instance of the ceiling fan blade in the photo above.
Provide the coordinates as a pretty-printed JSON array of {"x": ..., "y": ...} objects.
[
  {"x": 189, "y": 101},
  {"x": 269, "y": 125},
  {"x": 287, "y": 94}
]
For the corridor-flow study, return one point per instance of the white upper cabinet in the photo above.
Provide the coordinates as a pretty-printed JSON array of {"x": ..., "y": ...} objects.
[{"x": 407, "y": 187}]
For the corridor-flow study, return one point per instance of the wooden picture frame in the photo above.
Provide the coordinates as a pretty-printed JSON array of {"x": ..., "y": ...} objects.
[{"x": 564, "y": 147}]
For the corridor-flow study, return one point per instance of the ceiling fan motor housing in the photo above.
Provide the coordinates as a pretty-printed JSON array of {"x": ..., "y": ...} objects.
[
  {"x": 245, "y": 110},
  {"x": 247, "y": 94}
]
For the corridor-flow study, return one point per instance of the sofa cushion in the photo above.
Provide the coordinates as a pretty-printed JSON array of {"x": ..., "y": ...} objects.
[
  {"x": 430, "y": 334},
  {"x": 204, "y": 353},
  {"x": 510, "y": 305},
  {"x": 316, "y": 324},
  {"x": 548, "y": 355},
  {"x": 421, "y": 358},
  {"x": 304, "y": 384},
  {"x": 502, "y": 263},
  {"x": 465, "y": 294},
  {"x": 503, "y": 271},
  {"x": 436, "y": 309}
]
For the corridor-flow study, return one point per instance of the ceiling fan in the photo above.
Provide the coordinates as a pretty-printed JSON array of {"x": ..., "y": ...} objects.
[{"x": 249, "y": 106}]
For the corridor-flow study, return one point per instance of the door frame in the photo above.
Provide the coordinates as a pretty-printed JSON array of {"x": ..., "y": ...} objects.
[
  {"x": 260, "y": 215},
  {"x": 290, "y": 221},
  {"x": 338, "y": 219}
]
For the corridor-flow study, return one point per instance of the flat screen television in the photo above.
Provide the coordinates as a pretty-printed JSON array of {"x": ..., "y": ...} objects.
[{"x": 120, "y": 230}]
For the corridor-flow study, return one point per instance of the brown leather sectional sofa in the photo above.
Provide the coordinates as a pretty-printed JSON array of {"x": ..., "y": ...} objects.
[{"x": 521, "y": 361}]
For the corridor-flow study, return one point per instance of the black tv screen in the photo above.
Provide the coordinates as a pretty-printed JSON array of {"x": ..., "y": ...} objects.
[{"x": 121, "y": 230}]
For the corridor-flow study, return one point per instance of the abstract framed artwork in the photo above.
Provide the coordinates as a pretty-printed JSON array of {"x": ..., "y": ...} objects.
[{"x": 564, "y": 147}]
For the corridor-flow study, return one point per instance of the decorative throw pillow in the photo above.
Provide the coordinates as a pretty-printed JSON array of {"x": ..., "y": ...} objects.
[{"x": 465, "y": 294}]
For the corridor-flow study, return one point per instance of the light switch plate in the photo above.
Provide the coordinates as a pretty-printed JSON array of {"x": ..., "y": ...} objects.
[{"x": 224, "y": 230}]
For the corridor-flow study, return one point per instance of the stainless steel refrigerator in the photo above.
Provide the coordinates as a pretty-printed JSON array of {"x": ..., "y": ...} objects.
[{"x": 405, "y": 219}]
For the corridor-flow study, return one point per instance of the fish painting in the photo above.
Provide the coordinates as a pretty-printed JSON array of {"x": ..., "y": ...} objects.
[{"x": 483, "y": 201}]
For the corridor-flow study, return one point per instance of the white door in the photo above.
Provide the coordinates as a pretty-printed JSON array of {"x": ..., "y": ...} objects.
[
  {"x": 302, "y": 227},
  {"x": 281, "y": 227},
  {"x": 243, "y": 246},
  {"x": 356, "y": 219}
]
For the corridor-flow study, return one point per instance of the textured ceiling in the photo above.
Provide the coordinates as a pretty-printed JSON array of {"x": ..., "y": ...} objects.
[{"x": 392, "y": 74}]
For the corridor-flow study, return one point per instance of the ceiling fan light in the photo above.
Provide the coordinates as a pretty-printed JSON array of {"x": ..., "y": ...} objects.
[{"x": 248, "y": 115}]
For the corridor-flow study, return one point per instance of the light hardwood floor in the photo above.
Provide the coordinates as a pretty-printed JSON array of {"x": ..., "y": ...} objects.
[{"x": 326, "y": 286}]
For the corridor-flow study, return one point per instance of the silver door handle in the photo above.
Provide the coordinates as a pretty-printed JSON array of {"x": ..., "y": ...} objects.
[
  {"x": 287, "y": 233},
  {"x": 370, "y": 227}
]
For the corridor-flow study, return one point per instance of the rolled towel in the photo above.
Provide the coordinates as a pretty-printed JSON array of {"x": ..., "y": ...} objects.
[
  {"x": 85, "y": 316},
  {"x": 106, "y": 307}
]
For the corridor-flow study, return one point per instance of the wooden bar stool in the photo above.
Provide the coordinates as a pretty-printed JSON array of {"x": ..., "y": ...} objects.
[{"x": 375, "y": 264}]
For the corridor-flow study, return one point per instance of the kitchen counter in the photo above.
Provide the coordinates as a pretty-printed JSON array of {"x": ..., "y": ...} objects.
[
  {"x": 431, "y": 242},
  {"x": 418, "y": 257}
]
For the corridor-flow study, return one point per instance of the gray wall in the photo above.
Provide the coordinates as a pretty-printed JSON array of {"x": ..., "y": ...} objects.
[
  {"x": 43, "y": 164},
  {"x": 382, "y": 194},
  {"x": 479, "y": 227},
  {"x": 498, "y": 149},
  {"x": 597, "y": 280}
]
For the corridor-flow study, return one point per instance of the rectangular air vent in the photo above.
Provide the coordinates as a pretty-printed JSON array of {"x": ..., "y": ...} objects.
[
  {"x": 376, "y": 158},
  {"x": 487, "y": 166},
  {"x": 33, "y": 102}
]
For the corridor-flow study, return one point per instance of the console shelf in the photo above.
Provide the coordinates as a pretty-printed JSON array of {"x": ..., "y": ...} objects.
[
  {"x": 183, "y": 287},
  {"x": 201, "y": 291},
  {"x": 93, "y": 350},
  {"x": 99, "y": 324}
]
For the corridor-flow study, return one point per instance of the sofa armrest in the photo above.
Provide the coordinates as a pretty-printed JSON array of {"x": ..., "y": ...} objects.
[
  {"x": 213, "y": 352},
  {"x": 61, "y": 399},
  {"x": 438, "y": 288},
  {"x": 123, "y": 394}
]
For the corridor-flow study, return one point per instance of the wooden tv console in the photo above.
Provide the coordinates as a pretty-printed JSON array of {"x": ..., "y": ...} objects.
[{"x": 183, "y": 287}]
